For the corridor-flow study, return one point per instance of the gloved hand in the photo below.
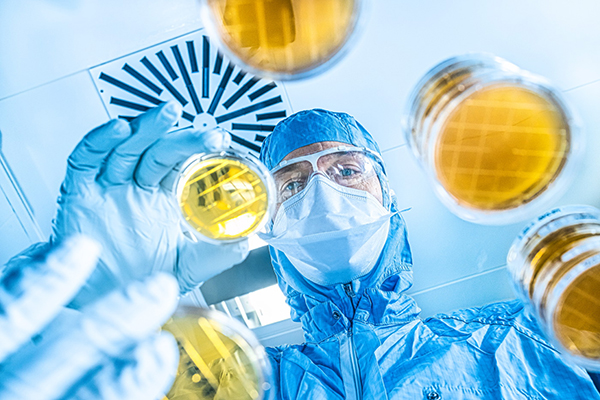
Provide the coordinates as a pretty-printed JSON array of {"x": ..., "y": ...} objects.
[
  {"x": 112, "y": 193},
  {"x": 109, "y": 351}
]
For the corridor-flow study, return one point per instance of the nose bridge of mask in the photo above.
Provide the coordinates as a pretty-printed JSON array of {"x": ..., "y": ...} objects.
[
  {"x": 323, "y": 188},
  {"x": 314, "y": 174},
  {"x": 324, "y": 179}
]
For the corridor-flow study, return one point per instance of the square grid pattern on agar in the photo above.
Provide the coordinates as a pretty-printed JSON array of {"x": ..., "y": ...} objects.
[{"x": 496, "y": 150}]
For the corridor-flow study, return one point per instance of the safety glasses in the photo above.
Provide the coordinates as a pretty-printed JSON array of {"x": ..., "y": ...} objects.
[{"x": 345, "y": 165}]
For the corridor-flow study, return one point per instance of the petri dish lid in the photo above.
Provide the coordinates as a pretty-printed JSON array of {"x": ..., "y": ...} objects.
[
  {"x": 547, "y": 223},
  {"x": 508, "y": 187},
  {"x": 515, "y": 184},
  {"x": 575, "y": 306},
  {"x": 225, "y": 196},
  {"x": 284, "y": 39},
  {"x": 219, "y": 357}
]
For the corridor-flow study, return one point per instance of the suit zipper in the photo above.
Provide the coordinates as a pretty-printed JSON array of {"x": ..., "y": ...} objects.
[
  {"x": 355, "y": 365},
  {"x": 353, "y": 356}
]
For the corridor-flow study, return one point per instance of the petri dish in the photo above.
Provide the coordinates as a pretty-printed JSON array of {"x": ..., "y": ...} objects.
[
  {"x": 225, "y": 196},
  {"x": 555, "y": 265},
  {"x": 501, "y": 147},
  {"x": 497, "y": 142},
  {"x": 284, "y": 39},
  {"x": 219, "y": 358},
  {"x": 576, "y": 323}
]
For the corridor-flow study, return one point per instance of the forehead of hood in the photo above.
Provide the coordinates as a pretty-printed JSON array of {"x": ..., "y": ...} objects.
[{"x": 312, "y": 126}]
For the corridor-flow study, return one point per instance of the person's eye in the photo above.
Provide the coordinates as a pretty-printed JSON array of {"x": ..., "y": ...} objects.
[
  {"x": 348, "y": 172},
  {"x": 292, "y": 187}
]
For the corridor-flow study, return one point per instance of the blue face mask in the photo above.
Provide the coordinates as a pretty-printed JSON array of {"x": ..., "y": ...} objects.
[{"x": 332, "y": 234}]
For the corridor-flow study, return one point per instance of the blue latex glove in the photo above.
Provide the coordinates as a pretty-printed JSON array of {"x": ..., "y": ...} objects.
[
  {"x": 112, "y": 193},
  {"x": 110, "y": 350}
]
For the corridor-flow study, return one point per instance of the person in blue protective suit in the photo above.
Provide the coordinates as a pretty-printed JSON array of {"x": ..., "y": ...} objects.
[{"x": 340, "y": 250}]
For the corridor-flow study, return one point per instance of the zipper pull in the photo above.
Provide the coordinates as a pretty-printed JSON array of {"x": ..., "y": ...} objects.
[{"x": 348, "y": 289}]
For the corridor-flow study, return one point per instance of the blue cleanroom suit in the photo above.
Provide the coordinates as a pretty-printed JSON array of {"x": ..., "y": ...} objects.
[{"x": 365, "y": 340}]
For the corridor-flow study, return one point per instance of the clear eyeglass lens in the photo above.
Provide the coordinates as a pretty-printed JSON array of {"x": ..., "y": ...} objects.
[
  {"x": 292, "y": 179},
  {"x": 346, "y": 168}
]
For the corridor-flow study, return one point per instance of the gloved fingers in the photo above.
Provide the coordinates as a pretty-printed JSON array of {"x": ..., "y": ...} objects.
[
  {"x": 142, "y": 307},
  {"x": 146, "y": 373},
  {"x": 200, "y": 261},
  {"x": 85, "y": 161},
  {"x": 147, "y": 128},
  {"x": 160, "y": 159},
  {"x": 168, "y": 182},
  {"x": 106, "y": 330},
  {"x": 33, "y": 291}
]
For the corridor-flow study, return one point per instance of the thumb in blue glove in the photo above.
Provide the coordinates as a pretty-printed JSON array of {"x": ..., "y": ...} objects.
[{"x": 112, "y": 193}]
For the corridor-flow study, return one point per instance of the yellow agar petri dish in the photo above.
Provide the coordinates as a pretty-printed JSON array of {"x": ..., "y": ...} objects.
[
  {"x": 501, "y": 147},
  {"x": 284, "y": 39},
  {"x": 555, "y": 264},
  {"x": 219, "y": 358},
  {"x": 497, "y": 142},
  {"x": 577, "y": 317},
  {"x": 224, "y": 196}
]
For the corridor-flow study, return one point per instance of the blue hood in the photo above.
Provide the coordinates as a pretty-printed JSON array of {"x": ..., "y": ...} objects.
[{"x": 392, "y": 274}]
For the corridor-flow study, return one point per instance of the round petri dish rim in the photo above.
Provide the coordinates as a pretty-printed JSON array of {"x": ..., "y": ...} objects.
[
  {"x": 553, "y": 303},
  {"x": 546, "y": 196},
  {"x": 436, "y": 73},
  {"x": 553, "y": 220},
  {"x": 360, "y": 15},
  {"x": 235, "y": 327},
  {"x": 249, "y": 160}
]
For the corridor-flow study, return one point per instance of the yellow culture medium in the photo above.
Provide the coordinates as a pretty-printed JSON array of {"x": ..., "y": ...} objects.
[
  {"x": 212, "y": 365},
  {"x": 501, "y": 147},
  {"x": 553, "y": 257},
  {"x": 577, "y": 316},
  {"x": 223, "y": 199},
  {"x": 284, "y": 36}
]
